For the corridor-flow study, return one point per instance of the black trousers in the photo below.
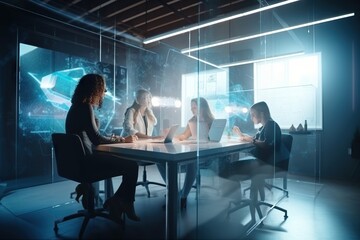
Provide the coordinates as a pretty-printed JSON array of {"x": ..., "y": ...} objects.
[{"x": 107, "y": 165}]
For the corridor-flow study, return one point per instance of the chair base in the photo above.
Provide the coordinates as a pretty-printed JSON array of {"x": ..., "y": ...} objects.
[
  {"x": 269, "y": 187},
  {"x": 87, "y": 215},
  {"x": 272, "y": 206},
  {"x": 146, "y": 184},
  {"x": 244, "y": 203}
]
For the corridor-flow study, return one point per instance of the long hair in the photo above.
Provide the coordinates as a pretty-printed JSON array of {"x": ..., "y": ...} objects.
[
  {"x": 88, "y": 88},
  {"x": 204, "y": 109},
  {"x": 148, "y": 111},
  {"x": 262, "y": 107}
]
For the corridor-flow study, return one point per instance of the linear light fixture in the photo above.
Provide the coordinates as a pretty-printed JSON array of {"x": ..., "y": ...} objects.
[
  {"x": 188, "y": 50},
  {"x": 259, "y": 60},
  {"x": 192, "y": 28},
  {"x": 203, "y": 61}
]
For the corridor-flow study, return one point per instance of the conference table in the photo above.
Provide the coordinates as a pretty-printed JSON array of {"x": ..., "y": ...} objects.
[{"x": 174, "y": 155}]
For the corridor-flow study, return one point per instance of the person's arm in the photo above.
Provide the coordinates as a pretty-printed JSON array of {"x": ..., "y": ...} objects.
[
  {"x": 130, "y": 128},
  {"x": 128, "y": 125},
  {"x": 270, "y": 132},
  {"x": 91, "y": 127},
  {"x": 144, "y": 136},
  {"x": 185, "y": 135},
  {"x": 243, "y": 137}
]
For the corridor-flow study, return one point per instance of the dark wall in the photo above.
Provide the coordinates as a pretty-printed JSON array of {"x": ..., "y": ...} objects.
[
  {"x": 339, "y": 44},
  {"x": 8, "y": 85},
  {"x": 22, "y": 27}
]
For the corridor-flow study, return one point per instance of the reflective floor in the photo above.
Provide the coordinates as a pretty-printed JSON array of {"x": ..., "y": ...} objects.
[{"x": 316, "y": 211}]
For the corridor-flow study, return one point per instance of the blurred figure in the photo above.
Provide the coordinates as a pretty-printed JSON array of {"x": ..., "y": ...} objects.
[
  {"x": 268, "y": 150},
  {"x": 204, "y": 119},
  {"x": 81, "y": 120}
]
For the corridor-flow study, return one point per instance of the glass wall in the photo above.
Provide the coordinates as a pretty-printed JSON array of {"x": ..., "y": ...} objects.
[{"x": 275, "y": 55}]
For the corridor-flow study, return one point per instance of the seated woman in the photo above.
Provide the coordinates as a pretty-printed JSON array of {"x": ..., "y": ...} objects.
[
  {"x": 81, "y": 120},
  {"x": 203, "y": 116},
  {"x": 268, "y": 150},
  {"x": 139, "y": 118}
]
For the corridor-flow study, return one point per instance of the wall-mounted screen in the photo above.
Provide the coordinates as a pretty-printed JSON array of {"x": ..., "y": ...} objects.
[{"x": 47, "y": 80}]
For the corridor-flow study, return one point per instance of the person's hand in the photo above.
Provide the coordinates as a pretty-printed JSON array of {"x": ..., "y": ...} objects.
[
  {"x": 237, "y": 131},
  {"x": 131, "y": 139}
]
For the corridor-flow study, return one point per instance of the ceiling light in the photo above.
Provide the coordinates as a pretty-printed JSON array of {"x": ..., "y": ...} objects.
[
  {"x": 199, "y": 26},
  {"x": 259, "y": 60},
  {"x": 203, "y": 61},
  {"x": 266, "y": 33}
]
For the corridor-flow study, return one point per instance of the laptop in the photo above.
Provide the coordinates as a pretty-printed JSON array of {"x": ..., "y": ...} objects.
[
  {"x": 169, "y": 136},
  {"x": 217, "y": 129},
  {"x": 214, "y": 134}
]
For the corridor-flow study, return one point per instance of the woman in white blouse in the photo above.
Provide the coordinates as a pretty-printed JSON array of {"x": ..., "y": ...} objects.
[{"x": 139, "y": 117}]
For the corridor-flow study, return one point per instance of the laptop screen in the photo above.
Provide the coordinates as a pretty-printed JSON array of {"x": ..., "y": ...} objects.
[{"x": 217, "y": 129}]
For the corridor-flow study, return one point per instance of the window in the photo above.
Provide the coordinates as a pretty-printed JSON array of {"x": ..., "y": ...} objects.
[
  {"x": 213, "y": 85},
  {"x": 292, "y": 88}
]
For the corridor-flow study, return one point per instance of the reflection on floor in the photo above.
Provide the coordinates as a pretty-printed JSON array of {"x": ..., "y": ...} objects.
[{"x": 316, "y": 211}]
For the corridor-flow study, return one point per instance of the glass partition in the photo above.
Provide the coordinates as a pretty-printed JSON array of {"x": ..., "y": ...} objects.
[
  {"x": 268, "y": 56},
  {"x": 274, "y": 55}
]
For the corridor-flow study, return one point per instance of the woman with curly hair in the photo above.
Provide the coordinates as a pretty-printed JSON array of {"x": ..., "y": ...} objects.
[{"x": 81, "y": 120}]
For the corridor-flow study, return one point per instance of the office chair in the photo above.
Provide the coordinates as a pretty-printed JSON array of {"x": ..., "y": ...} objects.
[
  {"x": 282, "y": 167},
  {"x": 281, "y": 170},
  {"x": 145, "y": 182},
  {"x": 208, "y": 165},
  {"x": 70, "y": 161}
]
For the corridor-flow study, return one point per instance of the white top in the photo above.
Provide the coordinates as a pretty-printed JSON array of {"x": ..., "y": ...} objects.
[
  {"x": 203, "y": 130},
  {"x": 129, "y": 128}
]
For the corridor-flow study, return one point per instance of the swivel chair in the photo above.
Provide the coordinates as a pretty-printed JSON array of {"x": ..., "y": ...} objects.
[
  {"x": 70, "y": 161},
  {"x": 280, "y": 170},
  {"x": 145, "y": 182}
]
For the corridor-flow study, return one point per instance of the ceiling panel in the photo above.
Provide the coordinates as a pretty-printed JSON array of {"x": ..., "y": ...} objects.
[{"x": 140, "y": 19}]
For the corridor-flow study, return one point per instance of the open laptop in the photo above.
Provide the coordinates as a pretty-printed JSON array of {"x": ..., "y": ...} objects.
[
  {"x": 169, "y": 136},
  {"x": 213, "y": 135}
]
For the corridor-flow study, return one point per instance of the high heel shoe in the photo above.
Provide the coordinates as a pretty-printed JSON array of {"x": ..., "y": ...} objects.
[
  {"x": 183, "y": 202},
  {"x": 117, "y": 207},
  {"x": 129, "y": 210},
  {"x": 113, "y": 207},
  {"x": 84, "y": 191}
]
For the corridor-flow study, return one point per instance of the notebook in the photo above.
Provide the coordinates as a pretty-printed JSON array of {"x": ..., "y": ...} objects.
[
  {"x": 169, "y": 136},
  {"x": 214, "y": 134}
]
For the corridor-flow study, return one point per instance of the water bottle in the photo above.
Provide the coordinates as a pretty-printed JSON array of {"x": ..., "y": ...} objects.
[{"x": 305, "y": 126}]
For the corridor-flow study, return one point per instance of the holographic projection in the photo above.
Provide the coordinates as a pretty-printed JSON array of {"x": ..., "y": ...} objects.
[{"x": 47, "y": 81}]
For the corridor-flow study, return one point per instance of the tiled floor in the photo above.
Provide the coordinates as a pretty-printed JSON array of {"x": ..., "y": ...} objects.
[{"x": 326, "y": 211}]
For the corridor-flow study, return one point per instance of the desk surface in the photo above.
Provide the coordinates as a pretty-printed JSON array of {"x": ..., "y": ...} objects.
[
  {"x": 176, "y": 151},
  {"x": 173, "y": 154}
]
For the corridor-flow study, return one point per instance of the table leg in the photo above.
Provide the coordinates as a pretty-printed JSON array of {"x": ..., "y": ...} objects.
[
  {"x": 172, "y": 200},
  {"x": 109, "y": 190}
]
